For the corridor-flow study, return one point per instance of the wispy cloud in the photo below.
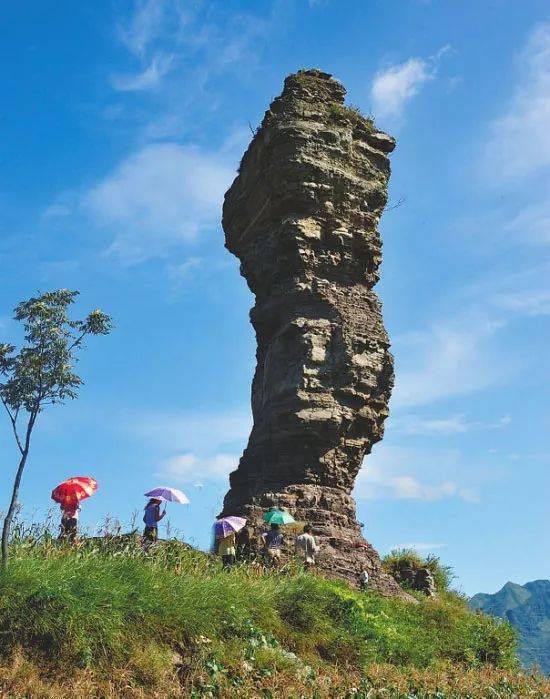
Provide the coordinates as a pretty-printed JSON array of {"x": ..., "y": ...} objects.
[
  {"x": 532, "y": 223},
  {"x": 529, "y": 303},
  {"x": 391, "y": 473},
  {"x": 395, "y": 86},
  {"x": 519, "y": 140},
  {"x": 160, "y": 34},
  {"x": 163, "y": 195},
  {"x": 147, "y": 79},
  {"x": 450, "y": 358},
  {"x": 144, "y": 24},
  {"x": 192, "y": 432},
  {"x": 420, "y": 546},
  {"x": 185, "y": 468},
  {"x": 454, "y": 424}
]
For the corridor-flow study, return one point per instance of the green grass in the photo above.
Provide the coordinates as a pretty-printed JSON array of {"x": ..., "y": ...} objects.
[
  {"x": 110, "y": 607},
  {"x": 443, "y": 574},
  {"x": 92, "y": 605},
  {"x": 350, "y": 113}
]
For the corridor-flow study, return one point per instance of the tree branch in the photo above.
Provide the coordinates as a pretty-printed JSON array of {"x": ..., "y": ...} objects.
[
  {"x": 77, "y": 341},
  {"x": 13, "y": 421}
]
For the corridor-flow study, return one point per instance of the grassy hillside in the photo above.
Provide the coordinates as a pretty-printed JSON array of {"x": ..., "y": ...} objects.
[{"x": 107, "y": 620}]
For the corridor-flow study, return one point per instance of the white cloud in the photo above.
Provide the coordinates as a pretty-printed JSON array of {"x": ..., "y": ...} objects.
[
  {"x": 186, "y": 467},
  {"x": 144, "y": 25},
  {"x": 419, "y": 546},
  {"x": 216, "y": 39},
  {"x": 395, "y": 86},
  {"x": 532, "y": 223},
  {"x": 147, "y": 79},
  {"x": 377, "y": 485},
  {"x": 199, "y": 447},
  {"x": 391, "y": 473},
  {"x": 163, "y": 195},
  {"x": 188, "y": 432},
  {"x": 181, "y": 272},
  {"x": 455, "y": 424},
  {"x": 519, "y": 140},
  {"x": 528, "y": 303},
  {"x": 451, "y": 358}
]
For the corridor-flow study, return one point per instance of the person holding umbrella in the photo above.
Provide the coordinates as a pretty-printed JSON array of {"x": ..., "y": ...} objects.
[
  {"x": 153, "y": 515},
  {"x": 274, "y": 539},
  {"x": 273, "y": 542},
  {"x": 225, "y": 530},
  {"x": 69, "y": 494}
]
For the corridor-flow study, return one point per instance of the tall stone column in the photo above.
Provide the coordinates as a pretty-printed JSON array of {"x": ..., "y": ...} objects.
[{"x": 302, "y": 218}]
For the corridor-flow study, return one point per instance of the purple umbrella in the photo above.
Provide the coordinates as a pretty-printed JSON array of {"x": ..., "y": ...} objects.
[
  {"x": 168, "y": 495},
  {"x": 228, "y": 525}
]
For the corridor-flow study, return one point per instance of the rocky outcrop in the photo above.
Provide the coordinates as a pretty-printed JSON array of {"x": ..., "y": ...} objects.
[
  {"x": 416, "y": 578},
  {"x": 302, "y": 218}
]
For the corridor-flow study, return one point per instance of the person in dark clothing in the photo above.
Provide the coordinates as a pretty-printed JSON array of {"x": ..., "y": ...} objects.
[
  {"x": 244, "y": 543},
  {"x": 152, "y": 517},
  {"x": 273, "y": 542},
  {"x": 69, "y": 521}
]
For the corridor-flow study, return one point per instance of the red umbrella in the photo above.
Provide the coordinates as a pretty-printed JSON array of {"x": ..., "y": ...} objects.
[{"x": 74, "y": 489}]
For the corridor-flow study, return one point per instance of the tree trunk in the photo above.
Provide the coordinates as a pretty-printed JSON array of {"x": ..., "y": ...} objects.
[{"x": 11, "y": 510}]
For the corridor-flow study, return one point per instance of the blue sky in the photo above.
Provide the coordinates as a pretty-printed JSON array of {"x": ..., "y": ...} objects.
[{"x": 123, "y": 124}]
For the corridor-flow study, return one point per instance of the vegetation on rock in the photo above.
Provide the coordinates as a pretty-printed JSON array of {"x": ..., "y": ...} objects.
[{"x": 399, "y": 559}]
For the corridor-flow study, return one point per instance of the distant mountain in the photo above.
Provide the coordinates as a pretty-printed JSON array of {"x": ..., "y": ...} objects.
[{"x": 527, "y": 608}]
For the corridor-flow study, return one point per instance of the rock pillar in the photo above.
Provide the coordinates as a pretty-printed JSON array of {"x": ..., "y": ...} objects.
[{"x": 302, "y": 218}]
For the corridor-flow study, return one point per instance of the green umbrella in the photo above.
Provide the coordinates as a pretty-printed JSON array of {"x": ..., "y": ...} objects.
[{"x": 278, "y": 517}]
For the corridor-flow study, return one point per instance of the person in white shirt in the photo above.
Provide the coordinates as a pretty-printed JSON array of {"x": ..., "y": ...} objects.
[
  {"x": 306, "y": 546},
  {"x": 364, "y": 579}
]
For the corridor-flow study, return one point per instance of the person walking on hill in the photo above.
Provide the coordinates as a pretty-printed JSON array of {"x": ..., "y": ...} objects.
[
  {"x": 244, "y": 543},
  {"x": 69, "y": 521},
  {"x": 152, "y": 517},
  {"x": 227, "y": 550},
  {"x": 273, "y": 541},
  {"x": 306, "y": 546}
]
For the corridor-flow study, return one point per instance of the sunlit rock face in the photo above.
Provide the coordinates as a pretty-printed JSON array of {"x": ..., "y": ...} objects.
[{"x": 302, "y": 218}]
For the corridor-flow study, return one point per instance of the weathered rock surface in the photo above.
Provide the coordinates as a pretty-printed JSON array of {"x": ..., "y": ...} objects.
[
  {"x": 419, "y": 579},
  {"x": 302, "y": 218}
]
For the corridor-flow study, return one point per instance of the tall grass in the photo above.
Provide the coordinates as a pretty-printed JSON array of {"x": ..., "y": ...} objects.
[{"x": 108, "y": 607}]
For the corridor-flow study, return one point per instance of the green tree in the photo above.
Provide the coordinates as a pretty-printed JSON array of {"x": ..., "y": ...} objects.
[{"x": 41, "y": 373}]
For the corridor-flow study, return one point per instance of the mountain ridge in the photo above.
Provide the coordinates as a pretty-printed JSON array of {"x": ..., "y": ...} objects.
[{"x": 527, "y": 608}]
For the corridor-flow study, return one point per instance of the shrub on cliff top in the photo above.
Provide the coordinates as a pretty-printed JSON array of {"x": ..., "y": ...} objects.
[{"x": 397, "y": 559}]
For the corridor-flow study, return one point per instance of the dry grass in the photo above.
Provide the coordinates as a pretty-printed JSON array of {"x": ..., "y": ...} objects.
[{"x": 20, "y": 678}]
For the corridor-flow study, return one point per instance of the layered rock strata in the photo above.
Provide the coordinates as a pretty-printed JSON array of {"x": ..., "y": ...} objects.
[{"x": 302, "y": 218}]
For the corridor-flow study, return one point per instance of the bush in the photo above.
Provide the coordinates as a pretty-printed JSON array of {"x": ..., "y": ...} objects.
[{"x": 397, "y": 559}]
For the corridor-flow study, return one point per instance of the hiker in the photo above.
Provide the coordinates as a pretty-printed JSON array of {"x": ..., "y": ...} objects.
[
  {"x": 273, "y": 542},
  {"x": 244, "y": 543},
  {"x": 69, "y": 521},
  {"x": 152, "y": 517},
  {"x": 364, "y": 580},
  {"x": 227, "y": 550},
  {"x": 306, "y": 546}
]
